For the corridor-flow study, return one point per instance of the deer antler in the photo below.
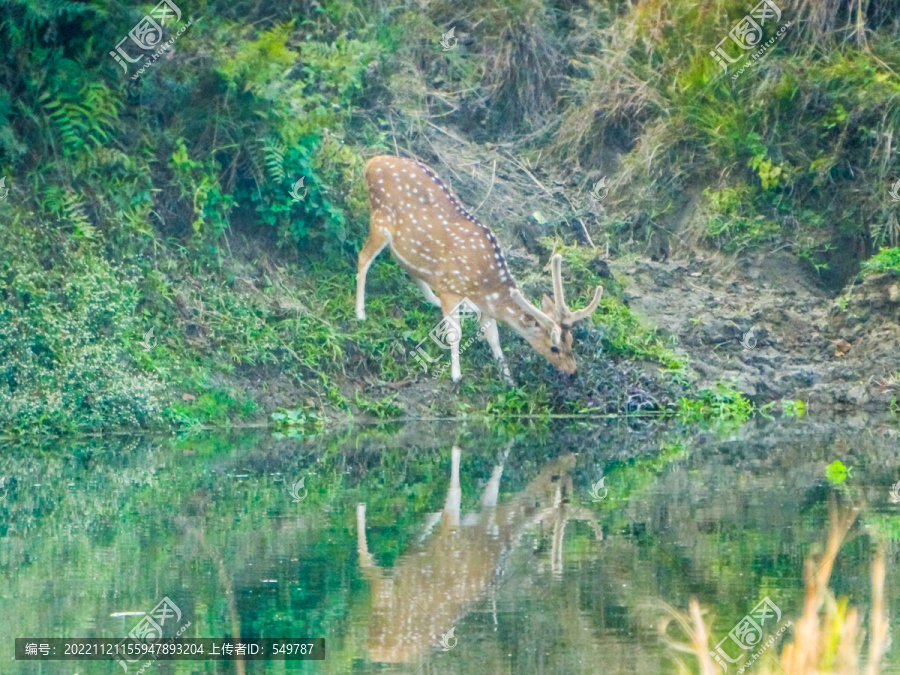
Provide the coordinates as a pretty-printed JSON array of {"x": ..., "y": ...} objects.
[
  {"x": 537, "y": 315},
  {"x": 562, "y": 309},
  {"x": 559, "y": 297},
  {"x": 587, "y": 311}
]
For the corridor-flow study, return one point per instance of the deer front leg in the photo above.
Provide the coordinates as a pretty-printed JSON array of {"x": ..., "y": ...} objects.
[
  {"x": 493, "y": 338},
  {"x": 365, "y": 558},
  {"x": 559, "y": 532},
  {"x": 492, "y": 491},
  {"x": 450, "y": 515},
  {"x": 378, "y": 239},
  {"x": 450, "y": 307}
]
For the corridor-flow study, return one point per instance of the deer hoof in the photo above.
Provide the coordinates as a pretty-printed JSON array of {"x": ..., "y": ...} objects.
[{"x": 360, "y": 315}]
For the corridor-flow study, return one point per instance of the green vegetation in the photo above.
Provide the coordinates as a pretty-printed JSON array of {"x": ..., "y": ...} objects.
[
  {"x": 294, "y": 423},
  {"x": 791, "y": 408},
  {"x": 836, "y": 472},
  {"x": 382, "y": 408},
  {"x": 164, "y": 201},
  {"x": 886, "y": 260},
  {"x": 722, "y": 404}
]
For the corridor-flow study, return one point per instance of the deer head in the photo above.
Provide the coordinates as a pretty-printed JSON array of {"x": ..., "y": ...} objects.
[{"x": 552, "y": 337}]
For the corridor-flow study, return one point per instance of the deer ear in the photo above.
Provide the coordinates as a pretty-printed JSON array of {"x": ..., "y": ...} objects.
[{"x": 547, "y": 305}]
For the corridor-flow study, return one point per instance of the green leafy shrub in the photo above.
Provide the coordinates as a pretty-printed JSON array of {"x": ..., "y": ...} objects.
[
  {"x": 62, "y": 332},
  {"x": 722, "y": 403},
  {"x": 886, "y": 260}
]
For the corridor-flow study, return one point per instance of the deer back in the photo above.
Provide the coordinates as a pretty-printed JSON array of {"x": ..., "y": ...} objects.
[{"x": 432, "y": 236}]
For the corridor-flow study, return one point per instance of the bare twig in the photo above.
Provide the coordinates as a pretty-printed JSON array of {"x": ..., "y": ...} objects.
[{"x": 493, "y": 175}]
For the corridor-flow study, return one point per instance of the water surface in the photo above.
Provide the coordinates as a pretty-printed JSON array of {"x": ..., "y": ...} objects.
[{"x": 398, "y": 535}]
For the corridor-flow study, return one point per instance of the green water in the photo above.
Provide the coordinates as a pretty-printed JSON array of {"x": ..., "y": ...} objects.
[{"x": 546, "y": 581}]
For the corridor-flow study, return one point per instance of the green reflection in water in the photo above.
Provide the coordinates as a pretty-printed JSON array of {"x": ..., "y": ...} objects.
[{"x": 498, "y": 540}]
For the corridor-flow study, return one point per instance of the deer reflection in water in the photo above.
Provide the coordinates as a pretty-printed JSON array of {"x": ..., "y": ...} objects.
[{"x": 444, "y": 575}]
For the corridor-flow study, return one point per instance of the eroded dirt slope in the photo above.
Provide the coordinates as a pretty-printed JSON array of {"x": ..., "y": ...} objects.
[{"x": 804, "y": 344}]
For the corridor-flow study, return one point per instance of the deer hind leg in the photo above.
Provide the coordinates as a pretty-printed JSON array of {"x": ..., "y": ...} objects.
[
  {"x": 428, "y": 293},
  {"x": 493, "y": 338},
  {"x": 379, "y": 237}
]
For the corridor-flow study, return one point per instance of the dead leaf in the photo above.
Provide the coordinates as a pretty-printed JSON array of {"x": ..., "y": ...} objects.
[{"x": 841, "y": 347}]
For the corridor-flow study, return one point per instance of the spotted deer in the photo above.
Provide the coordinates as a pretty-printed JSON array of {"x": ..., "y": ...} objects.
[
  {"x": 444, "y": 575},
  {"x": 446, "y": 249}
]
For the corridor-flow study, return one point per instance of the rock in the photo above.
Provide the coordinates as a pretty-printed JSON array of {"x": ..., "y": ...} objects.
[
  {"x": 599, "y": 267},
  {"x": 821, "y": 395},
  {"x": 858, "y": 395}
]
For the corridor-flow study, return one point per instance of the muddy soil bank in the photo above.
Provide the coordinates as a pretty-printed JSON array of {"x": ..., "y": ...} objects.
[
  {"x": 835, "y": 352},
  {"x": 761, "y": 322}
]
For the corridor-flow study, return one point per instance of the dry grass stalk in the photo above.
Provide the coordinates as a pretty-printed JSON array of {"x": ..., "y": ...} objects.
[{"x": 828, "y": 642}]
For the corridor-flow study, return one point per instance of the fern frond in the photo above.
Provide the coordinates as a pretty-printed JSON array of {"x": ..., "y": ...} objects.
[
  {"x": 73, "y": 211},
  {"x": 89, "y": 117},
  {"x": 274, "y": 151}
]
